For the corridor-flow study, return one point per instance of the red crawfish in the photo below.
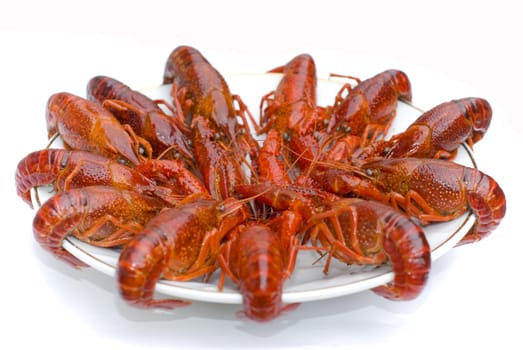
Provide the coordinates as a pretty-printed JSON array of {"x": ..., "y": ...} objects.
[
  {"x": 202, "y": 90},
  {"x": 74, "y": 169},
  {"x": 431, "y": 190},
  {"x": 145, "y": 117},
  {"x": 99, "y": 215},
  {"x": 437, "y": 133},
  {"x": 180, "y": 243},
  {"x": 259, "y": 262},
  {"x": 357, "y": 231},
  {"x": 368, "y": 109},
  {"x": 291, "y": 108},
  {"x": 87, "y": 126}
]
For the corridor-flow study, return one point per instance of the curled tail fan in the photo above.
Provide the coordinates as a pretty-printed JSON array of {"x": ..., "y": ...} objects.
[
  {"x": 487, "y": 201},
  {"x": 51, "y": 225},
  {"x": 139, "y": 271},
  {"x": 409, "y": 254},
  {"x": 37, "y": 169}
]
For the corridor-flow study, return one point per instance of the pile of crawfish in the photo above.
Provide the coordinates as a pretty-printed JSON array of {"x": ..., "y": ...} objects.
[{"x": 185, "y": 189}]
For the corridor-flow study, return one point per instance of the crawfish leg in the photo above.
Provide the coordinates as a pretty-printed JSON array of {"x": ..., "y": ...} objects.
[
  {"x": 373, "y": 131},
  {"x": 252, "y": 147},
  {"x": 120, "y": 235},
  {"x": 338, "y": 247},
  {"x": 265, "y": 124},
  {"x": 345, "y": 90},
  {"x": 223, "y": 261},
  {"x": 414, "y": 204},
  {"x": 208, "y": 246}
]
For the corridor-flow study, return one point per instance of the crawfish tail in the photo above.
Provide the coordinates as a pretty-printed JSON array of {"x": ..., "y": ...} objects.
[
  {"x": 409, "y": 254},
  {"x": 55, "y": 219},
  {"x": 139, "y": 269},
  {"x": 260, "y": 268},
  {"x": 169, "y": 244},
  {"x": 487, "y": 201},
  {"x": 36, "y": 169}
]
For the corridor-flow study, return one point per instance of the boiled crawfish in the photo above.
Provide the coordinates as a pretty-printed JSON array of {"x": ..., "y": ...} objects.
[
  {"x": 431, "y": 190},
  {"x": 358, "y": 231},
  {"x": 199, "y": 89},
  {"x": 100, "y": 215},
  {"x": 143, "y": 115},
  {"x": 180, "y": 243},
  {"x": 86, "y": 125},
  {"x": 437, "y": 133}
]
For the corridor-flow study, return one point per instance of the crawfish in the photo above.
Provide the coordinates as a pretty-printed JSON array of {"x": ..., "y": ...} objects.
[
  {"x": 86, "y": 125},
  {"x": 73, "y": 169},
  {"x": 437, "y": 133},
  {"x": 146, "y": 118},
  {"x": 431, "y": 190},
  {"x": 368, "y": 109},
  {"x": 259, "y": 262},
  {"x": 438, "y": 190},
  {"x": 180, "y": 243},
  {"x": 203, "y": 91},
  {"x": 99, "y": 215},
  {"x": 358, "y": 231},
  {"x": 291, "y": 108}
]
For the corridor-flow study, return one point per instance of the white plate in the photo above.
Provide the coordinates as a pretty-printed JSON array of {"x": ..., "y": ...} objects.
[{"x": 307, "y": 283}]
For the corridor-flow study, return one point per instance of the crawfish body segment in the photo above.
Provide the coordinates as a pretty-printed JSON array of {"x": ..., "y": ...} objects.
[
  {"x": 369, "y": 107},
  {"x": 144, "y": 116},
  {"x": 99, "y": 215},
  {"x": 172, "y": 174},
  {"x": 86, "y": 125},
  {"x": 439, "y": 132}
]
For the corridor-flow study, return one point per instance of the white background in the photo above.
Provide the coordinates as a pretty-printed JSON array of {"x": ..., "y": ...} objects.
[{"x": 470, "y": 48}]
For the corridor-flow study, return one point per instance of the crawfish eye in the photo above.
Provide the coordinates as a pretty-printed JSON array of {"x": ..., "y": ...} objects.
[
  {"x": 347, "y": 129},
  {"x": 124, "y": 161},
  {"x": 217, "y": 136},
  {"x": 286, "y": 137},
  {"x": 142, "y": 151}
]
